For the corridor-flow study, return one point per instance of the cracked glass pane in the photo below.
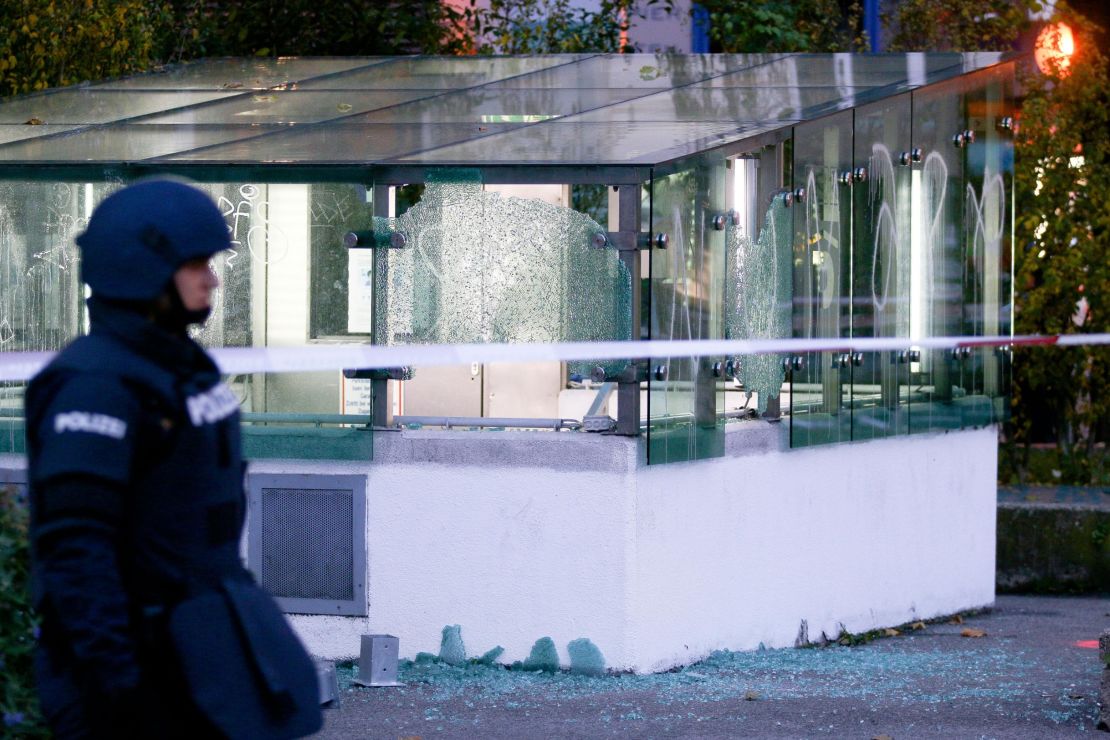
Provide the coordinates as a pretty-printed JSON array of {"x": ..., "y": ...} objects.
[
  {"x": 477, "y": 266},
  {"x": 757, "y": 297}
]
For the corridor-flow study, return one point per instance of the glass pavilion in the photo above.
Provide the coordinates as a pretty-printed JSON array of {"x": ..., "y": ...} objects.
[{"x": 548, "y": 198}]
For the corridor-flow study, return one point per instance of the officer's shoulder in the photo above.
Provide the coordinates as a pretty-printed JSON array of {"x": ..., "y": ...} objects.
[{"x": 96, "y": 361}]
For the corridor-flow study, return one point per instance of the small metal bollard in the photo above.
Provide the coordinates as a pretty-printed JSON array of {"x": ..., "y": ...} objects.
[
  {"x": 377, "y": 661},
  {"x": 328, "y": 681}
]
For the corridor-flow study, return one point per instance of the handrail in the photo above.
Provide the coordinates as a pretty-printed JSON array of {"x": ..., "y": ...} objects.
[{"x": 488, "y": 421}]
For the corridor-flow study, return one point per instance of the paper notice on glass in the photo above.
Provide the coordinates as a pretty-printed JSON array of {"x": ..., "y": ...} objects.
[
  {"x": 358, "y": 397},
  {"x": 360, "y": 290}
]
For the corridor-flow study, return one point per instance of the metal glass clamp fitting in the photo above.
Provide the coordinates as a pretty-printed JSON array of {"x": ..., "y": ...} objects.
[
  {"x": 905, "y": 159},
  {"x": 718, "y": 369},
  {"x": 722, "y": 220},
  {"x": 796, "y": 363},
  {"x": 659, "y": 372},
  {"x": 845, "y": 178},
  {"x": 373, "y": 239},
  {"x": 964, "y": 138},
  {"x": 916, "y": 154},
  {"x": 788, "y": 199},
  {"x": 800, "y": 195},
  {"x": 1006, "y": 123},
  {"x": 857, "y": 359},
  {"x": 961, "y": 353},
  {"x": 841, "y": 361},
  {"x": 599, "y": 240},
  {"x": 860, "y": 174},
  {"x": 657, "y": 241},
  {"x": 731, "y": 368}
]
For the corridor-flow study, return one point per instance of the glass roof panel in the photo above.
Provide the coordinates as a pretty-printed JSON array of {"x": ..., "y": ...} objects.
[
  {"x": 239, "y": 74},
  {"x": 285, "y": 106},
  {"x": 662, "y": 71},
  {"x": 561, "y": 109},
  {"x": 88, "y": 105},
  {"x": 500, "y": 105},
  {"x": 340, "y": 143},
  {"x": 17, "y": 132},
  {"x": 822, "y": 70},
  {"x": 852, "y": 70},
  {"x": 438, "y": 73},
  {"x": 727, "y": 104},
  {"x": 122, "y": 143},
  {"x": 621, "y": 142}
]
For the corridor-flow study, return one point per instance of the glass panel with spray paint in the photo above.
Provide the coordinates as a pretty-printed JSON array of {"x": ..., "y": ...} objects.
[
  {"x": 936, "y": 266},
  {"x": 987, "y": 241},
  {"x": 881, "y": 265},
  {"x": 820, "y": 398}
]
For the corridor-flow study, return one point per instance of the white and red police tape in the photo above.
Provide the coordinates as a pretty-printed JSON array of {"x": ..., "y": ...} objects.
[{"x": 20, "y": 366}]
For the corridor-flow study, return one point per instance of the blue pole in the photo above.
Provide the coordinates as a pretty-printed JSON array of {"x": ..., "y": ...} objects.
[{"x": 871, "y": 24}]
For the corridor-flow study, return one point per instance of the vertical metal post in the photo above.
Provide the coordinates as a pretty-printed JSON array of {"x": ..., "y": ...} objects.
[
  {"x": 628, "y": 385},
  {"x": 380, "y": 386},
  {"x": 872, "y": 26}
]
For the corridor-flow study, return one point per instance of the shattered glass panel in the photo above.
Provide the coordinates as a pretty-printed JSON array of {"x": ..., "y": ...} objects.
[
  {"x": 480, "y": 267},
  {"x": 757, "y": 297}
]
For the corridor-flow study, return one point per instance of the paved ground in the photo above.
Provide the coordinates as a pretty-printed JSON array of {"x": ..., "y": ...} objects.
[{"x": 1025, "y": 678}]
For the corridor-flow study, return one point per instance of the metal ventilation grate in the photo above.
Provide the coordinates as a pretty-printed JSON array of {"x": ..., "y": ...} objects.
[{"x": 307, "y": 542}]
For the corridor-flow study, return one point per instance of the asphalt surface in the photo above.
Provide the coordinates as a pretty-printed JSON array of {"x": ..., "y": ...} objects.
[{"x": 1025, "y": 677}]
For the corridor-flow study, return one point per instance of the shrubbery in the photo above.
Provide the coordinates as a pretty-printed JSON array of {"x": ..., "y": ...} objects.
[
  {"x": 18, "y": 624},
  {"x": 62, "y": 42}
]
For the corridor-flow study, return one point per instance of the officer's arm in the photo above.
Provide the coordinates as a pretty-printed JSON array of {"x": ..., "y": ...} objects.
[{"x": 79, "y": 474}]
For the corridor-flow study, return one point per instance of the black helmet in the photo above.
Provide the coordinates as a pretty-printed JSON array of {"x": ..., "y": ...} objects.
[{"x": 139, "y": 236}]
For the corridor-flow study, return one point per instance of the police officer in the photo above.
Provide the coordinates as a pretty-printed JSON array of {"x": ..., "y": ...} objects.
[{"x": 150, "y": 624}]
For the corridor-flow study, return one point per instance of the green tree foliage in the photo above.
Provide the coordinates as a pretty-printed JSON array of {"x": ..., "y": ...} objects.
[
  {"x": 62, "y": 42},
  {"x": 551, "y": 26},
  {"x": 18, "y": 624},
  {"x": 958, "y": 25},
  {"x": 1061, "y": 229},
  {"x": 199, "y": 28},
  {"x": 761, "y": 26},
  {"x": 1062, "y": 262}
]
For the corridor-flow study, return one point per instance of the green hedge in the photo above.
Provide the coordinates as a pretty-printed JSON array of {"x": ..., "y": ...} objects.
[
  {"x": 58, "y": 43},
  {"x": 18, "y": 624}
]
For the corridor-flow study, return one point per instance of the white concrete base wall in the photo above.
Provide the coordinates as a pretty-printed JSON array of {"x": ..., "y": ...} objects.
[
  {"x": 659, "y": 566},
  {"x": 734, "y": 553}
]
